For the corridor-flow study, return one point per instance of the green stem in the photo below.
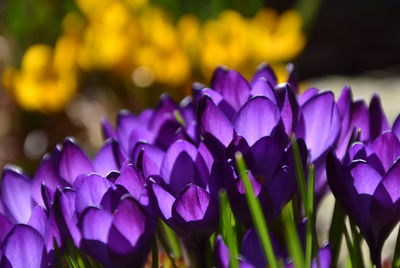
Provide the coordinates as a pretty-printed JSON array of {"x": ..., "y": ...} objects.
[{"x": 256, "y": 213}]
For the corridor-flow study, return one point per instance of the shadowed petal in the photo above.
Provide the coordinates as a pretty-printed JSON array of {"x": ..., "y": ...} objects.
[
  {"x": 5, "y": 227},
  {"x": 266, "y": 150}
]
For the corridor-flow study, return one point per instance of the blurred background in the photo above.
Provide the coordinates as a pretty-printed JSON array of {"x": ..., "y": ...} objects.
[{"x": 65, "y": 64}]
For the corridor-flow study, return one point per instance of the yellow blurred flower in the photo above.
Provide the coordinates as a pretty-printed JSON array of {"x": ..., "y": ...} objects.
[
  {"x": 44, "y": 83},
  {"x": 108, "y": 38},
  {"x": 138, "y": 41},
  {"x": 276, "y": 41},
  {"x": 224, "y": 42}
]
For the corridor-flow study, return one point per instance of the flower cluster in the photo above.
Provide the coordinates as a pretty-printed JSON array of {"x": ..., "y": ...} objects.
[
  {"x": 171, "y": 162},
  {"x": 139, "y": 42}
]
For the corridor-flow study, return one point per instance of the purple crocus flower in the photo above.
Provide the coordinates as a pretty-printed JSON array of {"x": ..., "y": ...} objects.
[
  {"x": 159, "y": 126},
  {"x": 113, "y": 222},
  {"x": 274, "y": 183},
  {"x": 252, "y": 255},
  {"x": 366, "y": 185},
  {"x": 180, "y": 186},
  {"x": 22, "y": 218},
  {"x": 233, "y": 106},
  {"x": 357, "y": 116}
]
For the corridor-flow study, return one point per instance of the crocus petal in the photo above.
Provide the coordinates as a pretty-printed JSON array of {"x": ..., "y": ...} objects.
[
  {"x": 265, "y": 71},
  {"x": 5, "y": 227},
  {"x": 391, "y": 181},
  {"x": 293, "y": 77},
  {"x": 396, "y": 127},
  {"x": 16, "y": 194},
  {"x": 24, "y": 248},
  {"x": 252, "y": 251},
  {"x": 126, "y": 122},
  {"x": 213, "y": 123},
  {"x": 262, "y": 87},
  {"x": 90, "y": 191},
  {"x": 219, "y": 100},
  {"x": 366, "y": 178},
  {"x": 132, "y": 179},
  {"x": 52, "y": 233},
  {"x": 181, "y": 166},
  {"x": 339, "y": 182},
  {"x": 163, "y": 112},
  {"x": 163, "y": 199},
  {"x": 221, "y": 253},
  {"x": 288, "y": 106},
  {"x": 148, "y": 158},
  {"x": 344, "y": 100},
  {"x": 232, "y": 86},
  {"x": 355, "y": 117},
  {"x": 96, "y": 224},
  {"x": 266, "y": 149},
  {"x": 108, "y": 158},
  {"x": 323, "y": 259},
  {"x": 73, "y": 162},
  {"x": 319, "y": 132},
  {"x": 308, "y": 94},
  {"x": 128, "y": 226},
  {"x": 195, "y": 210},
  {"x": 257, "y": 112},
  {"x": 64, "y": 208},
  {"x": 166, "y": 134},
  {"x": 38, "y": 220},
  {"x": 387, "y": 147},
  {"x": 107, "y": 129},
  {"x": 378, "y": 122},
  {"x": 45, "y": 174}
]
